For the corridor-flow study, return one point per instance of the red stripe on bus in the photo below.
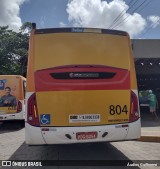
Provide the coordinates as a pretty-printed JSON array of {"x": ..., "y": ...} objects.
[{"x": 45, "y": 82}]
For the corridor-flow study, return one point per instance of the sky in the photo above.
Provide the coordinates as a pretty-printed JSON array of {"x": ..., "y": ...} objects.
[{"x": 140, "y": 18}]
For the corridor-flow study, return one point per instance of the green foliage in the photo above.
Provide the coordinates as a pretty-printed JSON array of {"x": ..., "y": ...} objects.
[
  {"x": 14, "y": 50},
  {"x": 26, "y": 27}
]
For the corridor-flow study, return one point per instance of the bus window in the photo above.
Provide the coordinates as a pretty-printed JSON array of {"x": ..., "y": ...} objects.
[{"x": 84, "y": 90}]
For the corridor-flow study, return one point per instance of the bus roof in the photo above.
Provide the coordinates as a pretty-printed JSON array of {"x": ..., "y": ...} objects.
[{"x": 80, "y": 30}]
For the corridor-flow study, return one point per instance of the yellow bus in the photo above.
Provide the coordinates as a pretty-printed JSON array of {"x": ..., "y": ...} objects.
[
  {"x": 81, "y": 87},
  {"x": 12, "y": 97}
]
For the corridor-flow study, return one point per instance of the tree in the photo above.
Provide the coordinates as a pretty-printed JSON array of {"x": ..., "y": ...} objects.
[
  {"x": 14, "y": 50},
  {"x": 26, "y": 27}
]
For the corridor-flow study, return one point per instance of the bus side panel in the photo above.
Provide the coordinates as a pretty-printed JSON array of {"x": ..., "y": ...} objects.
[
  {"x": 135, "y": 127},
  {"x": 30, "y": 68}
]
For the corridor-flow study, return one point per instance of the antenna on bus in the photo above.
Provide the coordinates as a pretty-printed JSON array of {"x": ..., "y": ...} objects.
[{"x": 33, "y": 25}]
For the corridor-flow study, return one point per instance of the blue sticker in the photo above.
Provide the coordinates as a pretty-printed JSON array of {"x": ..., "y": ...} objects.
[
  {"x": 2, "y": 84},
  {"x": 45, "y": 119}
]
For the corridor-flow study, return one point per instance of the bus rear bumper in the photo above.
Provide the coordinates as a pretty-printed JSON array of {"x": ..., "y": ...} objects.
[
  {"x": 14, "y": 116},
  {"x": 68, "y": 135},
  {"x": 134, "y": 131},
  {"x": 33, "y": 135}
]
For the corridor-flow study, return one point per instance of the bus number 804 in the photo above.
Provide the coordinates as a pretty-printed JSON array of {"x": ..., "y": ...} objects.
[{"x": 117, "y": 109}]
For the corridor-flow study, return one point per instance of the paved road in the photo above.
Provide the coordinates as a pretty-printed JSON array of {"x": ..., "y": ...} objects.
[{"x": 13, "y": 147}]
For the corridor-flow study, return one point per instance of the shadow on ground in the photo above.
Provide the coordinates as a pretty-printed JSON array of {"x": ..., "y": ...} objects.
[
  {"x": 82, "y": 152},
  {"x": 10, "y": 126}
]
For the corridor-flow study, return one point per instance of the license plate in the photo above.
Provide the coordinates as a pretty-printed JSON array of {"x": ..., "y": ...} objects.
[{"x": 86, "y": 135}]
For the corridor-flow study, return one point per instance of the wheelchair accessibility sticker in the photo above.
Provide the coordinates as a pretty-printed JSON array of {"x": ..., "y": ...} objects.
[{"x": 45, "y": 119}]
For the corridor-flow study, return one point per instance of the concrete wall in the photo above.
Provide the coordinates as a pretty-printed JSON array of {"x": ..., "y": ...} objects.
[{"x": 146, "y": 48}]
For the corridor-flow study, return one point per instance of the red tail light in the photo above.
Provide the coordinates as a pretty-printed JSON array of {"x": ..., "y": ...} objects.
[
  {"x": 134, "y": 112},
  {"x": 19, "y": 107},
  {"x": 32, "y": 112}
]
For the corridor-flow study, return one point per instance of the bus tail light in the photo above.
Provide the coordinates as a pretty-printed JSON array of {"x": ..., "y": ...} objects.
[
  {"x": 134, "y": 111},
  {"x": 32, "y": 112},
  {"x": 19, "y": 107}
]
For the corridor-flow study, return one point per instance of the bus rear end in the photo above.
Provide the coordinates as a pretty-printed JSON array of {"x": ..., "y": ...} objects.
[
  {"x": 12, "y": 94},
  {"x": 81, "y": 87}
]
